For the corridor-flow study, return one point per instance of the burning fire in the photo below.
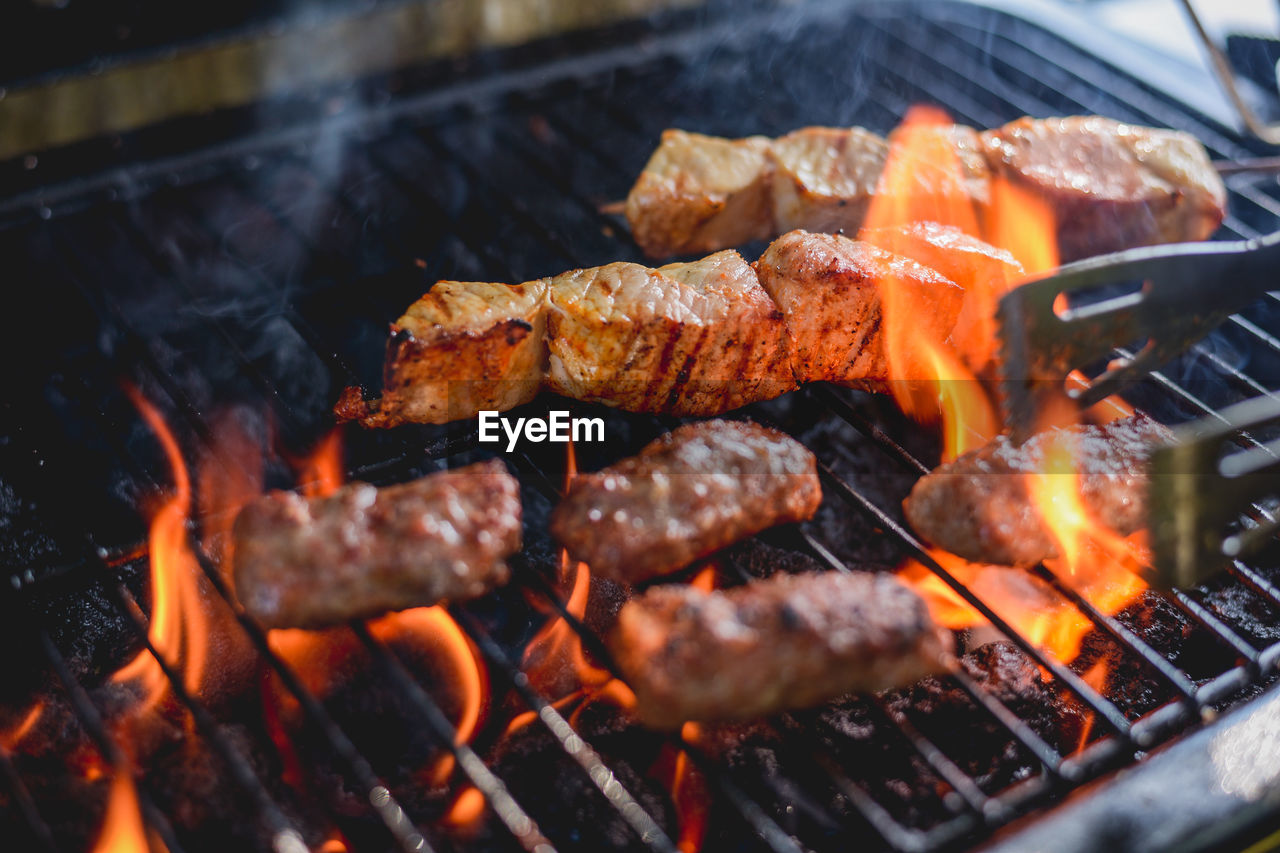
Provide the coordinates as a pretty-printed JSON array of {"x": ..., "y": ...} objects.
[
  {"x": 319, "y": 656},
  {"x": 179, "y": 625},
  {"x": 937, "y": 384},
  {"x": 123, "y": 831}
]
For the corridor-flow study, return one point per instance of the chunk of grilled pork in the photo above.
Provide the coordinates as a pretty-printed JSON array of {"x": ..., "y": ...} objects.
[
  {"x": 1110, "y": 185},
  {"x": 697, "y": 338}
]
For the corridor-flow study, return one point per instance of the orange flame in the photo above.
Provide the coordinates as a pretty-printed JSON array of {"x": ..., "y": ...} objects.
[
  {"x": 467, "y": 808},
  {"x": 689, "y": 794},
  {"x": 11, "y": 738},
  {"x": 929, "y": 378},
  {"x": 322, "y": 472},
  {"x": 179, "y": 625},
  {"x": 123, "y": 830},
  {"x": 434, "y": 626},
  {"x": 315, "y": 654},
  {"x": 1095, "y": 677}
]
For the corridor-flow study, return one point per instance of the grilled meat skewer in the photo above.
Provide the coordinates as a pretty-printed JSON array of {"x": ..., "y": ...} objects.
[
  {"x": 314, "y": 562},
  {"x": 979, "y": 508},
  {"x": 789, "y": 641},
  {"x": 1111, "y": 186},
  {"x": 698, "y": 338},
  {"x": 685, "y": 495}
]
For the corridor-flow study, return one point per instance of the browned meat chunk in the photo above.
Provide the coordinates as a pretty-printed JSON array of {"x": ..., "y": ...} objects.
[
  {"x": 702, "y": 193},
  {"x": 824, "y": 178},
  {"x": 309, "y": 563},
  {"x": 463, "y": 347},
  {"x": 696, "y": 338},
  {"x": 790, "y": 641},
  {"x": 684, "y": 496},
  {"x": 1111, "y": 186},
  {"x": 979, "y": 508},
  {"x": 828, "y": 288}
]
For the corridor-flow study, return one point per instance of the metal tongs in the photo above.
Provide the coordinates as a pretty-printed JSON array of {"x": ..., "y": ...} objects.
[
  {"x": 1200, "y": 492},
  {"x": 1187, "y": 290}
]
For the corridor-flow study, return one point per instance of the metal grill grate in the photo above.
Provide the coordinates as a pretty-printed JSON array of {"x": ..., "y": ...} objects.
[{"x": 312, "y": 241}]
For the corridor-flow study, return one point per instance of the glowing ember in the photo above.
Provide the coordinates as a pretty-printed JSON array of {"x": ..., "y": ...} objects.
[
  {"x": 466, "y": 809},
  {"x": 123, "y": 830},
  {"x": 179, "y": 626}
]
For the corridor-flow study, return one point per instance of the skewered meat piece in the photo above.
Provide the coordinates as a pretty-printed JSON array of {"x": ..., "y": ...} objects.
[
  {"x": 698, "y": 338},
  {"x": 1111, "y": 186},
  {"x": 463, "y": 347},
  {"x": 685, "y": 495},
  {"x": 823, "y": 178},
  {"x": 703, "y": 193},
  {"x": 313, "y": 562},
  {"x": 979, "y": 507},
  {"x": 826, "y": 286},
  {"x": 789, "y": 641}
]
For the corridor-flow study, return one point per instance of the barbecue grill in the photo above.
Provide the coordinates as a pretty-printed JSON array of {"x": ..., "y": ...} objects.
[{"x": 248, "y": 260}]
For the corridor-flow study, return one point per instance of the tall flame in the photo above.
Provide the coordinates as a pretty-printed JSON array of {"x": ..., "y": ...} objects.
[
  {"x": 929, "y": 379},
  {"x": 1096, "y": 562},
  {"x": 179, "y": 624}
]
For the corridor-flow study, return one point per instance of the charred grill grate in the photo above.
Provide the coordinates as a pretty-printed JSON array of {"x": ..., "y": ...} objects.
[{"x": 177, "y": 274}]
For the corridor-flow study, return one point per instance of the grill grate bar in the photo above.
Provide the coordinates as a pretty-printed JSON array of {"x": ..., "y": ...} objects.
[
  {"x": 516, "y": 820},
  {"x": 1097, "y": 703},
  {"x": 408, "y": 837},
  {"x": 285, "y": 838},
  {"x": 88, "y": 715},
  {"x": 1173, "y": 676},
  {"x": 573, "y": 744},
  {"x": 40, "y": 831},
  {"x": 1019, "y": 730}
]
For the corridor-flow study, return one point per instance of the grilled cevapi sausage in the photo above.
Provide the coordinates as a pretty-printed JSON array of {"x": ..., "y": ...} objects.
[
  {"x": 689, "y": 493},
  {"x": 979, "y": 507},
  {"x": 362, "y": 551},
  {"x": 1110, "y": 186},
  {"x": 789, "y": 641}
]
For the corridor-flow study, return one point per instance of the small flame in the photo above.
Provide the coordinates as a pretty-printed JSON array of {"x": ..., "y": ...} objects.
[
  {"x": 689, "y": 794},
  {"x": 467, "y": 808},
  {"x": 123, "y": 830},
  {"x": 1095, "y": 677},
  {"x": 555, "y": 652},
  {"x": 179, "y": 625},
  {"x": 11, "y": 738},
  {"x": 1024, "y": 225},
  {"x": 321, "y": 473}
]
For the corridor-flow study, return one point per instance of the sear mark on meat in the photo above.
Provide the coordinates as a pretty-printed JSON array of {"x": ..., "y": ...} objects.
[{"x": 685, "y": 495}]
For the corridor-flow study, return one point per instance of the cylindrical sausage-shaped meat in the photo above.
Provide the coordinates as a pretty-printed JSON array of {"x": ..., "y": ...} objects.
[
  {"x": 685, "y": 495},
  {"x": 790, "y": 641},
  {"x": 362, "y": 551}
]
